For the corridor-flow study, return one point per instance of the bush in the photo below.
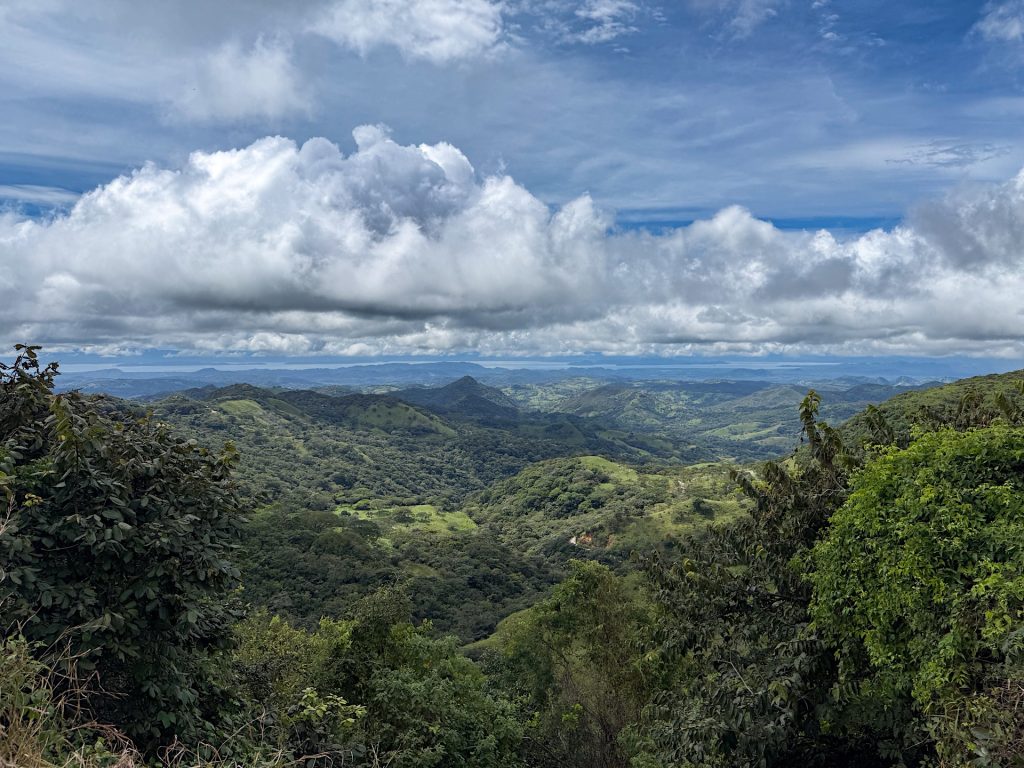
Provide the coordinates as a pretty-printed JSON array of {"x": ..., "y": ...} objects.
[
  {"x": 419, "y": 702},
  {"x": 114, "y": 549},
  {"x": 919, "y": 585}
]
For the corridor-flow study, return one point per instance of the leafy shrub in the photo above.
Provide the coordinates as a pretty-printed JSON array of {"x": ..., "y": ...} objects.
[
  {"x": 114, "y": 549},
  {"x": 577, "y": 659},
  {"x": 919, "y": 585},
  {"x": 417, "y": 701}
]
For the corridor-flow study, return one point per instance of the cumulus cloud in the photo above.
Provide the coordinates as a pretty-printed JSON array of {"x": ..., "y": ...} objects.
[
  {"x": 299, "y": 249},
  {"x": 1002, "y": 21},
  {"x": 979, "y": 229},
  {"x": 440, "y": 31}
]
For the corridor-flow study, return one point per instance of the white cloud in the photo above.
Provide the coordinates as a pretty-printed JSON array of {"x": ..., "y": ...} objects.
[
  {"x": 440, "y": 31},
  {"x": 234, "y": 83},
  {"x": 980, "y": 229},
  {"x": 743, "y": 16},
  {"x": 586, "y": 22},
  {"x": 750, "y": 14},
  {"x": 1002, "y": 21},
  {"x": 951, "y": 155},
  {"x": 405, "y": 249},
  {"x": 34, "y": 193},
  {"x": 206, "y": 62},
  {"x": 606, "y": 20},
  {"x": 229, "y": 61}
]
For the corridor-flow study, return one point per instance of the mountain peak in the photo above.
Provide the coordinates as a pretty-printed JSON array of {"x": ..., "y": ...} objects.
[{"x": 466, "y": 382}]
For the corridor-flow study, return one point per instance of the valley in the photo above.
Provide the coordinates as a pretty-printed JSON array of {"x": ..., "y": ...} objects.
[{"x": 476, "y": 498}]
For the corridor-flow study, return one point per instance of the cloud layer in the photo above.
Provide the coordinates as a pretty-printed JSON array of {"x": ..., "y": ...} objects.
[
  {"x": 406, "y": 249},
  {"x": 440, "y": 31}
]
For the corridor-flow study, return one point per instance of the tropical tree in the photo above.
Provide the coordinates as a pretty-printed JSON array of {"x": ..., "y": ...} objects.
[
  {"x": 746, "y": 681},
  {"x": 577, "y": 658}
]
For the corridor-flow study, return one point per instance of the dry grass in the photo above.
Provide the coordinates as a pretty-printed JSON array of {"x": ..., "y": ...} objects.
[
  {"x": 42, "y": 724},
  {"x": 1010, "y": 706}
]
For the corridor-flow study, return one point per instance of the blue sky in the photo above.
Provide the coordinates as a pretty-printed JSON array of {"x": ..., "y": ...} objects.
[{"x": 763, "y": 121}]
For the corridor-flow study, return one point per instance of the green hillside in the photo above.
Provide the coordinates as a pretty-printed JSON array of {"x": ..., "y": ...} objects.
[
  {"x": 975, "y": 400},
  {"x": 352, "y": 492},
  {"x": 591, "y": 507},
  {"x": 318, "y": 451},
  {"x": 357, "y": 491},
  {"x": 417, "y": 518},
  {"x": 711, "y": 420}
]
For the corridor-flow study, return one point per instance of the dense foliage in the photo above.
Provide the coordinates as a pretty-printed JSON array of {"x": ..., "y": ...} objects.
[
  {"x": 306, "y": 565},
  {"x": 588, "y": 506},
  {"x": 750, "y": 682},
  {"x": 114, "y": 548},
  {"x": 919, "y": 586},
  {"x": 577, "y": 662},
  {"x": 419, "y": 702}
]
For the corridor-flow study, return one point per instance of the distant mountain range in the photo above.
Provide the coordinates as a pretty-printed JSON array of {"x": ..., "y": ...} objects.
[{"x": 154, "y": 381}]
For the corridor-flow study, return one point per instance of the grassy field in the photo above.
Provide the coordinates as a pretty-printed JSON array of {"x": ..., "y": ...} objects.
[
  {"x": 244, "y": 409},
  {"x": 408, "y": 519},
  {"x": 617, "y": 473}
]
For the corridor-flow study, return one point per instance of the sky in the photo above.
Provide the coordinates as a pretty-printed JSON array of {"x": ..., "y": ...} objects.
[{"x": 367, "y": 178}]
